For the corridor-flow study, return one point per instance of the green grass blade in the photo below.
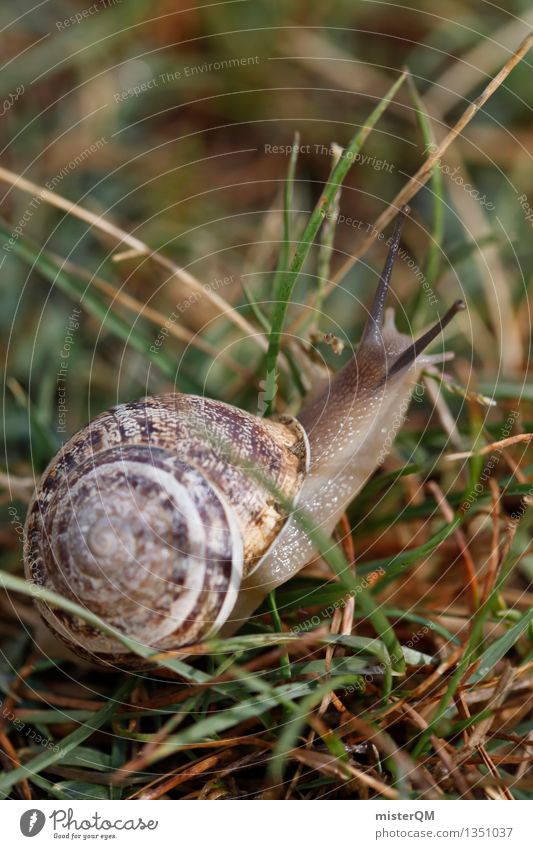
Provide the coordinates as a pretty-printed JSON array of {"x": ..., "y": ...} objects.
[
  {"x": 325, "y": 253},
  {"x": 431, "y": 270},
  {"x": 495, "y": 652},
  {"x": 12, "y": 582},
  {"x": 303, "y": 247},
  {"x": 288, "y": 193},
  {"x": 284, "y": 660}
]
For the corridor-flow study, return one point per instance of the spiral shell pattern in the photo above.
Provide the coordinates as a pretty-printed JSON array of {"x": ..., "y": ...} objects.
[{"x": 150, "y": 517}]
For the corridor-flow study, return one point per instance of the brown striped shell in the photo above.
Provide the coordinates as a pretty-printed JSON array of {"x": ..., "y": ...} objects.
[{"x": 150, "y": 517}]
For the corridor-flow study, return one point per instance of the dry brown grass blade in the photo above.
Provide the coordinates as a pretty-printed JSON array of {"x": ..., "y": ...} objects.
[
  {"x": 132, "y": 303},
  {"x": 434, "y": 684},
  {"x": 487, "y": 257},
  {"x": 330, "y": 696},
  {"x": 424, "y": 172},
  {"x": 447, "y": 758},
  {"x": 440, "y": 748},
  {"x": 347, "y": 624},
  {"x": 494, "y": 446},
  {"x": 14, "y": 763},
  {"x": 184, "y": 774},
  {"x": 49, "y": 698},
  {"x": 122, "y": 237},
  {"x": 10, "y": 701},
  {"x": 9, "y": 706},
  {"x": 492, "y": 271},
  {"x": 525, "y": 766},
  {"x": 514, "y": 467}
]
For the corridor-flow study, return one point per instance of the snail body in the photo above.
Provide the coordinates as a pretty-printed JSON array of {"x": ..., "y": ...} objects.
[{"x": 156, "y": 516}]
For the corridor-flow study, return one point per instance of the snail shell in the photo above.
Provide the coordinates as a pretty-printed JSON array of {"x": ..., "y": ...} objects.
[{"x": 149, "y": 518}]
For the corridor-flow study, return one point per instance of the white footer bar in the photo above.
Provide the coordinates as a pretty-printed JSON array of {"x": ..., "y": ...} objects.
[{"x": 242, "y": 824}]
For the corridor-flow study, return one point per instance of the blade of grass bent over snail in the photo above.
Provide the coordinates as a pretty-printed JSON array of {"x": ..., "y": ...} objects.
[{"x": 148, "y": 519}]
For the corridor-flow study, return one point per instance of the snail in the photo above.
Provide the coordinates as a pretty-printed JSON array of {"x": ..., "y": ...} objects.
[{"x": 150, "y": 518}]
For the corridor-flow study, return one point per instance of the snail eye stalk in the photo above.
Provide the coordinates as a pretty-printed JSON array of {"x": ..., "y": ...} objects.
[
  {"x": 413, "y": 351},
  {"x": 372, "y": 331}
]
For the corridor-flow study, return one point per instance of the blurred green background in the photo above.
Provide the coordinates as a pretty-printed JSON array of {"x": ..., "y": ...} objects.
[{"x": 173, "y": 124}]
